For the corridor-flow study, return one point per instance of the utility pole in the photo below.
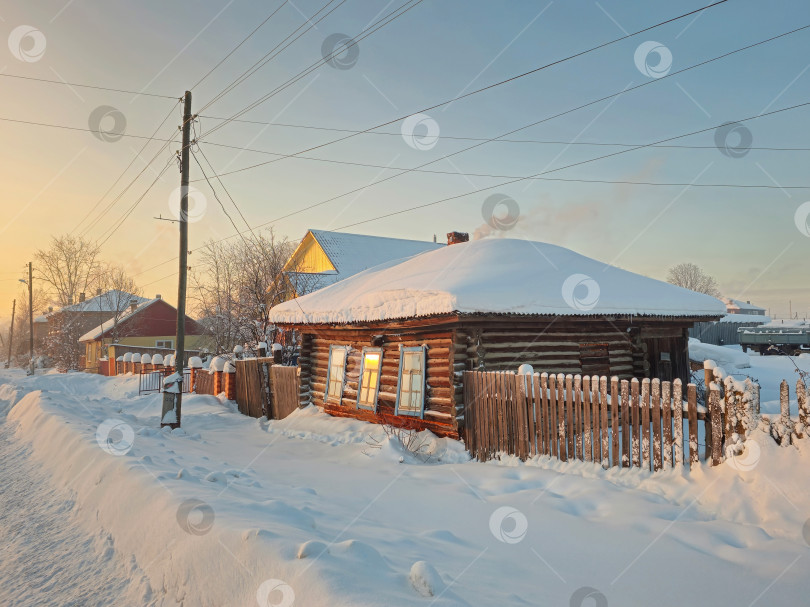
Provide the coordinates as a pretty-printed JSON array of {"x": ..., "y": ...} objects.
[
  {"x": 11, "y": 333},
  {"x": 172, "y": 400},
  {"x": 31, "y": 314}
]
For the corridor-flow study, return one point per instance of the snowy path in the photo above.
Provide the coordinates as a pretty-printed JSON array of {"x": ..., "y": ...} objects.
[{"x": 45, "y": 557}]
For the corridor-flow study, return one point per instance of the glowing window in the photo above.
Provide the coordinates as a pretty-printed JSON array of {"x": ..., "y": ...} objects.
[
  {"x": 411, "y": 388},
  {"x": 337, "y": 372},
  {"x": 369, "y": 378}
]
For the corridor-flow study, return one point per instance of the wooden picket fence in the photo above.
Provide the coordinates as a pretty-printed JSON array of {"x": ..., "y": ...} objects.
[
  {"x": 619, "y": 423},
  {"x": 265, "y": 388}
]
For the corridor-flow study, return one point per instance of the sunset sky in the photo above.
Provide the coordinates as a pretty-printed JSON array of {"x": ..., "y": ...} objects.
[{"x": 754, "y": 241}]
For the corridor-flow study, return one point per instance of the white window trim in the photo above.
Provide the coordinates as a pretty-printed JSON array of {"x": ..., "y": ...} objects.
[
  {"x": 339, "y": 398},
  {"x": 411, "y": 412},
  {"x": 369, "y": 406}
]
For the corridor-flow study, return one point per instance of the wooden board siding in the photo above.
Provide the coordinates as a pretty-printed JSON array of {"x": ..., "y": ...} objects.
[{"x": 443, "y": 392}]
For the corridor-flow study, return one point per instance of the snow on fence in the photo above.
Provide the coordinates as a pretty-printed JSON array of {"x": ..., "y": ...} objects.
[
  {"x": 648, "y": 424},
  {"x": 617, "y": 423}
]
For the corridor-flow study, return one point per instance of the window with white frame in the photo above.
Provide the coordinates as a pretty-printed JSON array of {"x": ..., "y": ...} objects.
[
  {"x": 369, "y": 378},
  {"x": 411, "y": 387},
  {"x": 337, "y": 372},
  {"x": 168, "y": 343}
]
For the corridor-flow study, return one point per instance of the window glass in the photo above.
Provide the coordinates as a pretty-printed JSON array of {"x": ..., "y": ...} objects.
[
  {"x": 411, "y": 382},
  {"x": 337, "y": 372},
  {"x": 369, "y": 378}
]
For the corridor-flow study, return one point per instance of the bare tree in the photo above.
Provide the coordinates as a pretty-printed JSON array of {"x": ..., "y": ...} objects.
[
  {"x": 22, "y": 325},
  {"x": 118, "y": 289},
  {"x": 69, "y": 266},
  {"x": 236, "y": 283},
  {"x": 691, "y": 276}
]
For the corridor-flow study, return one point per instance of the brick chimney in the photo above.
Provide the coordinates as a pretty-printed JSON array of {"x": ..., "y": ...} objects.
[
  {"x": 133, "y": 303},
  {"x": 81, "y": 297},
  {"x": 457, "y": 237}
]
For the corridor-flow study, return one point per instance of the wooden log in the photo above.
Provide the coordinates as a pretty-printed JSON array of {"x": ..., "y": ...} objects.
[
  {"x": 615, "y": 408},
  {"x": 666, "y": 422},
  {"x": 586, "y": 418},
  {"x": 578, "y": 432},
  {"x": 784, "y": 418},
  {"x": 596, "y": 418},
  {"x": 552, "y": 404},
  {"x": 544, "y": 416},
  {"x": 569, "y": 409},
  {"x": 804, "y": 409},
  {"x": 645, "y": 424},
  {"x": 715, "y": 413},
  {"x": 677, "y": 422},
  {"x": 603, "y": 418},
  {"x": 656, "y": 424},
  {"x": 691, "y": 404},
  {"x": 625, "y": 395},
  {"x": 563, "y": 445}
]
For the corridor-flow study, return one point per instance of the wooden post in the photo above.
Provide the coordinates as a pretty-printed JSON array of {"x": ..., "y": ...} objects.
[
  {"x": 544, "y": 417},
  {"x": 715, "y": 413},
  {"x": 615, "y": 407},
  {"x": 636, "y": 423},
  {"x": 784, "y": 402},
  {"x": 595, "y": 420},
  {"x": 625, "y": 387},
  {"x": 586, "y": 418},
  {"x": 666, "y": 420},
  {"x": 645, "y": 423},
  {"x": 538, "y": 415},
  {"x": 569, "y": 410},
  {"x": 11, "y": 332},
  {"x": 804, "y": 408},
  {"x": 561, "y": 417},
  {"x": 656, "y": 424},
  {"x": 691, "y": 412},
  {"x": 677, "y": 421},
  {"x": 603, "y": 418},
  {"x": 579, "y": 438}
]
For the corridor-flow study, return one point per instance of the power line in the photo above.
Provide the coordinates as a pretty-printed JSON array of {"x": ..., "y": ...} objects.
[
  {"x": 88, "y": 86},
  {"x": 508, "y": 133},
  {"x": 264, "y": 59},
  {"x": 131, "y": 162},
  {"x": 392, "y": 16},
  {"x": 435, "y": 202},
  {"x": 458, "y": 97},
  {"x": 236, "y": 206},
  {"x": 245, "y": 39},
  {"x": 489, "y": 139},
  {"x": 210, "y": 185},
  {"x": 76, "y": 128},
  {"x": 500, "y": 176}
]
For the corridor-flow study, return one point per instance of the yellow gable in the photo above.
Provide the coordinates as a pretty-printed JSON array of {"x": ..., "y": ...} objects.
[{"x": 309, "y": 258}]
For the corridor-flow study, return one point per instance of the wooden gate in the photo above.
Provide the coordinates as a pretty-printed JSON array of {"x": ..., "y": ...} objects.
[{"x": 258, "y": 381}]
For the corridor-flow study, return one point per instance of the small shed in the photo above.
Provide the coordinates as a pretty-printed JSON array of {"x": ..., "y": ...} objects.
[{"x": 393, "y": 341}]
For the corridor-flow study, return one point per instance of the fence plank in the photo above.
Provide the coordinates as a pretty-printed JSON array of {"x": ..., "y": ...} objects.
[
  {"x": 521, "y": 417},
  {"x": 625, "y": 395},
  {"x": 615, "y": 406},
  {"x": 715, "y": 413},
  {"x": 645, "y": 423},
  {"x": 656, "y": 424},
  {"x": 596, "y": 418},
  {"x": 603, "y": 417},
  {"x": 561, "y": 417},
  {"x": 578, "y": 433},
  {"x": 804, "y": 408},
  {"x": 666, "y": 420},
  {"x": 543, "y": 419},
  {"x": 552, "y": 419},
  {"x": 569, "y": 411},
  {"x": 529, "y": 412},
  {"x": 691, "y": 395},
  {"x": 586, "y": 418},
  {"x": 636, "y": 423},
  {"x": 677, "y": 421}
]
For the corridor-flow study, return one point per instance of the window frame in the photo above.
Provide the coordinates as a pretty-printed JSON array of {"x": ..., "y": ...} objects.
[
  {"x": 164, "y": 341},
  {"x": 366, "y": 350},
  {"x": 410, "y": 412},
  {"x": 329, "y": 397}
]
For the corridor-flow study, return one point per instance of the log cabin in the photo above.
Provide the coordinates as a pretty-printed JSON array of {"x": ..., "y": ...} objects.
[{"x": 391, "y": 343}]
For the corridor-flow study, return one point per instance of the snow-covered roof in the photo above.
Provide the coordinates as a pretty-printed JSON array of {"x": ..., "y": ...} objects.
[
  {"x": 353, "y": 253},
  {"x": 744, "y": 307},
  {"x": 746, "y": 318},
  {"x": 495, "y": 276},
  {"x": 111, "y": 301},
  {"x": 97, "y": 332}
]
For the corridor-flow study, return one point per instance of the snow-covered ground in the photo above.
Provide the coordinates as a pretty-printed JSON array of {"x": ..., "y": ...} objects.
[{"x": 105, "y": 509}]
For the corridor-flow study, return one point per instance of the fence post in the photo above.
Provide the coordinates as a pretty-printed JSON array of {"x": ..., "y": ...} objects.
[
  {"x": 691, "y": 403},
  {"x": 625, "y": 395},
  {"x": 230, "y": 380},
  {"x": 645, "y": 423},
  {"x": 715, "y": 415},
  {"x": 677, "y": 421},
  {"x": 785, "y": 424},
  {"x": 804, "y": 408},
  {"x": 636, "y": 423},
  {"x": 615, "y": 407}
]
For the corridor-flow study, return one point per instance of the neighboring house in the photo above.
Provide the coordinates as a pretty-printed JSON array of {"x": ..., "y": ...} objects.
[
  {"x": 392, "y": 342},
  {"x": 324, "y": 258},
  {"x": 735, "y": 306},
  {"x": 68, "y": 324},
  {"x": 40, "y": 331},
  {"x": 151, "y": 324},
  {"x": 739, "y": 315}
]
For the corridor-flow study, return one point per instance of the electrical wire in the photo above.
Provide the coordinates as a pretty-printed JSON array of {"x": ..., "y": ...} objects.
[{"x": 88, "y": 86}]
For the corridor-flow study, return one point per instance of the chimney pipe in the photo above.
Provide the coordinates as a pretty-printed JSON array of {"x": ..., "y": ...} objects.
[
  {"x": 157, "y": 296},
  {"x": 457, "y": 237},
  {"x": 133, "y": 303},
  {"x": 98, "y": 292},
  {"x": 81, "y": 297}
]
